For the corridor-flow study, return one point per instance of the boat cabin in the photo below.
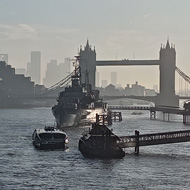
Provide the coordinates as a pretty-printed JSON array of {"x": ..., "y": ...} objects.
[{"x": 49, "y": 138}]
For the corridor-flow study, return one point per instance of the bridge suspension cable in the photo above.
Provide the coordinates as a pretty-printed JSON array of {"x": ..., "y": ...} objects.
[
  {"x": 182, "y": 74},
  {"x": 61, "y": 84},
  {"x": 187, "y": 82}
]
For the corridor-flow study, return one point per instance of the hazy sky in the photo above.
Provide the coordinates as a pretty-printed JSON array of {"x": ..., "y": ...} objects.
[{"x": 119, "y": 29}]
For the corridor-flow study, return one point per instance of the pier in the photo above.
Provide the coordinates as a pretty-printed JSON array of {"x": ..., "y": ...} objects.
[
  {"x": 170, "y": 110},
  {"x": 107, "y": 119},
  {"x": 166, "y": 110},
  {"x": 153, "y": 139},
  {"x": 129, "y": 107},
  {"x": 116, "y": 116}
]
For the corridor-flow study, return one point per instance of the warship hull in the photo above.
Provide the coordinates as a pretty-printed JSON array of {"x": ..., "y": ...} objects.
[{"x": 72, "y": 118}]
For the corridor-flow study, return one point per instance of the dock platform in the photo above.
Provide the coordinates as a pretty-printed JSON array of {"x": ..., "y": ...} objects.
[
  {"x": 170, "y": 110},
  {"x": 166, "y": 110}
]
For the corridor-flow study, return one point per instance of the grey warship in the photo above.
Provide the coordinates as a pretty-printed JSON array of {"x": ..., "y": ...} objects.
[{"x": 78, "y": 104}]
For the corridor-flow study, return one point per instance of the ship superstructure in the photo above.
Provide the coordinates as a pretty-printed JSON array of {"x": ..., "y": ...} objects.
[{"x": 78, "y": 103}]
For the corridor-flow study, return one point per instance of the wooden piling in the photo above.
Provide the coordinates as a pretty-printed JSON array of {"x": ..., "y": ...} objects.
[
  {"x": 109, "y": 119},
  {"x": 97, "y": 119},
  {"x": 116, "y": 116},
  {"x": 106, "y": 119},
  {"x": 152, "y": 114},
  {"x": 137, "y": 142}
]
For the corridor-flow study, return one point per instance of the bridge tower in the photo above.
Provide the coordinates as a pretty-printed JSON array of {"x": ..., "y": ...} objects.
[
  {"x": 87, "y": 63},
  {"x": 167, "y": 66}
]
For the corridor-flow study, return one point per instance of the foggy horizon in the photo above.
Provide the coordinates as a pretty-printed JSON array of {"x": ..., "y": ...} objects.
[{"x": 118, "y": 30}]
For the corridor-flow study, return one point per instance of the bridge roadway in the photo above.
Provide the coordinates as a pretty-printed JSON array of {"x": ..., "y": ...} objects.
[
  {"x": 154, "y": 139},
  {"x": 125, "y": 62}
]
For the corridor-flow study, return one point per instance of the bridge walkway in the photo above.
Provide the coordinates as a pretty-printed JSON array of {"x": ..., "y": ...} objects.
[
  {"x": 129, "y": 107},
  {"x": 153, "y": 139}
]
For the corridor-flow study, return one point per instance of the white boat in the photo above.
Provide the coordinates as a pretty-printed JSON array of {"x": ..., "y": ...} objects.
[{"x": 49, "y": 138}]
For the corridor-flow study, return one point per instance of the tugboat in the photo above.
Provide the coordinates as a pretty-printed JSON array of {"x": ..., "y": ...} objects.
[
  {"x": 77, "y": 104},
  {"x": 100, "y": 142},
  {"x": 49, "y": 138}
]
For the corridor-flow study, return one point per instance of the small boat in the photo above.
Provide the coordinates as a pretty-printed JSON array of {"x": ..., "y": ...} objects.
[
  {"x": 49, "y": 138},
  {"x": 100, "y": 142}
]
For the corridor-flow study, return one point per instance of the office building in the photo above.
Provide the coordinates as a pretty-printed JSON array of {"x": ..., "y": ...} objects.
[
  {"x": 114, "y": 78},
  {"x": 52, "y": 74},
  {"x": 56, "y": 72},
  {"x": 68, "y": 66},
  {"x": 65, "y": 68},
  {"x": 14, "y": 85},
  {"x": 34, "y": 67}
]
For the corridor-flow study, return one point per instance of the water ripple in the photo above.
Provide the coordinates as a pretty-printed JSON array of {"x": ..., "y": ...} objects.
[{"x": 23, "y": 167}]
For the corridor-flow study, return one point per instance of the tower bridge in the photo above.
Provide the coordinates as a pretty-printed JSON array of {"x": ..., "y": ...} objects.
[{"x": 166, "y": 63}]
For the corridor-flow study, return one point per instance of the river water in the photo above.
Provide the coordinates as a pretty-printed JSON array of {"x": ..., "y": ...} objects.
[{"x": 23, "y": 167}]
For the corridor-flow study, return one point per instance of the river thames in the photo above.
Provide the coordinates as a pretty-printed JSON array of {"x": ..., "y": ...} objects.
[{"x": 23, "y": 167}]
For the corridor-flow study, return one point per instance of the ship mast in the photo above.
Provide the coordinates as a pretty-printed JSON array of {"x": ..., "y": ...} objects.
[{"x": 76, "y": 78}]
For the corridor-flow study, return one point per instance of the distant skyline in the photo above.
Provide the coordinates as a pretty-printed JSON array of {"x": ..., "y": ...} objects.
[{"x": 122, "y": 29}]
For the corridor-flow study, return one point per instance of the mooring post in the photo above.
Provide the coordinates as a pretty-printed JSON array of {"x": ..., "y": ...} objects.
[
  {"x": 109, "y": 116},
  {"x": 137, "y": 142},
  {"x": 97, "y": 118},
  {"x": 103, "y": 119},
  {"x": 163, "y": 116},
  {"x": 184, "y": 118},
  {"x": 114, "y": 116},
  {"x": 120, "y": 116},
  {"x": 152, "y": 114}
]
